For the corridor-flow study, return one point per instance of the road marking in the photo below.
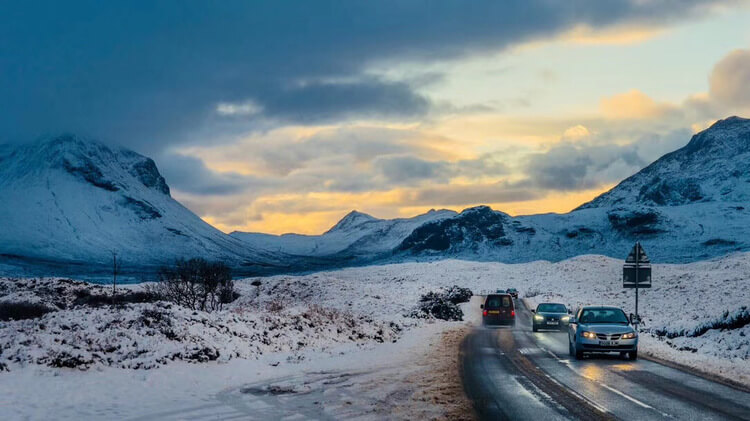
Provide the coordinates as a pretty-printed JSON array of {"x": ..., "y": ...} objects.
[
  {"x": 597, "y": 406},
  {"x": 612, "y": 389},
  {"x": 632, "y": 399}
]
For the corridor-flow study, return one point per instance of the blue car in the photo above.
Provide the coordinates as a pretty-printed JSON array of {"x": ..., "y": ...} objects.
[{"x": 601, "y": 329}]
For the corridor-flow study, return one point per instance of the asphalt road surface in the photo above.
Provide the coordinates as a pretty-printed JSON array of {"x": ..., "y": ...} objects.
[{"x": 514, "y": 373}]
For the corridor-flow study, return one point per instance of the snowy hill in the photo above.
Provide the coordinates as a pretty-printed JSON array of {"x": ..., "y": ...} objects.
[
  {"x": 69, "y": 203},
  {"x": 72, "y": 202},
  {"x": 357, "y": 234},
  {"x": 688, "y": 205},
  {"x": 714, "y": 166}
]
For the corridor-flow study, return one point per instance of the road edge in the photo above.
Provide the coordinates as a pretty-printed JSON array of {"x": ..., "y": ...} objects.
[{"x": 697, "y": 372}]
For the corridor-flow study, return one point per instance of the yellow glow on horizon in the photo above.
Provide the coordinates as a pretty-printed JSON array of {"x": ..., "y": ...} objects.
[
  {"x": 315, "y": 213},
  {"x": 584, "y": 34}
]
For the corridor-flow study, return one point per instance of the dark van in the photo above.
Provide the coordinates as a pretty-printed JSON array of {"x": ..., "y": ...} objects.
[{"x": 498, "y": 310}]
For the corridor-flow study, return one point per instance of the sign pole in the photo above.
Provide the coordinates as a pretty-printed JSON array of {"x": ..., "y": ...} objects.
[
  {"x": 632, "y": 277},
  {"x": 637, "y": 267}
]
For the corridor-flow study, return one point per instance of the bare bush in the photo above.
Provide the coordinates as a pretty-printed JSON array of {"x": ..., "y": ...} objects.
[
  {"x": 22, "y": 310},
  {"x": 275, "y": 306},
  {"x": 196, "y": 284}
]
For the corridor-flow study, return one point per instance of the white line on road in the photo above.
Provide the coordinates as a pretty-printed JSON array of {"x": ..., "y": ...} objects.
[
  {"x": 632, "y": 399},
  {"x": 598, "y": 407},
  {"x": 612, "y": 389}
]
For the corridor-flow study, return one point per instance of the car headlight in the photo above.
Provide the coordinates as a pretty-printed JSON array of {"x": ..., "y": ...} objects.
[
  {"x": 565, "y": 318},
  {"x": 589, "y": 335},
  {"x": 629, "y": 335},
  {"x": 538, "y": 317}
]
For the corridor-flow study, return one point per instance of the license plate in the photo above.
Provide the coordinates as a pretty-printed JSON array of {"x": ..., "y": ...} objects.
[
  {"x": 551, "y": 323},
  {"x": 493, "y": 312},
  {"x": 607, "y": 343}
]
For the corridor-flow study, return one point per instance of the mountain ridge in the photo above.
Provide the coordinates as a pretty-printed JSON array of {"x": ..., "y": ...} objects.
[{"x": 72, "y": 201}]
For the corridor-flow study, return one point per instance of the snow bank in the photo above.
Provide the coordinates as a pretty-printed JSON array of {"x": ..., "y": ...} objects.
[
  {"x": 148, "y": 335},
  {"x": 695, "y": 314}
]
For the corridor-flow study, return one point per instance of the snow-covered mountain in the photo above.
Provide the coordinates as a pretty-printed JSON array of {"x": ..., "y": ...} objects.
[
  {"x": 714, "y": 166},
  {"x": 688, "y": 205},
  {"x": 356, "y": 235},
  {"x": 72, "y": 202},
  {"x": 69, "y": 203}
]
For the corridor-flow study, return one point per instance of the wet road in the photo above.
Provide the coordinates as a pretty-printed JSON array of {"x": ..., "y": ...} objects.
[{"x": 514, "y": 373}]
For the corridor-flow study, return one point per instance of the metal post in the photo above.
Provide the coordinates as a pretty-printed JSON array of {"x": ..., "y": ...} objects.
[{"x": 637, "y": 269}]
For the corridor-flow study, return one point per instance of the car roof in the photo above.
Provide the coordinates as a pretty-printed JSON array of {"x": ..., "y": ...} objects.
[
  {"x": 601, "y": 307},
  {"x": 561, "y": 304},
  {"x": 500, "y": 294}
]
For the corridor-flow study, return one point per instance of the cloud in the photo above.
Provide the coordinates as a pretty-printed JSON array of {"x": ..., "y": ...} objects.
[
  {"x": 463, "y": 195},
  {"x": 634, "y": 105},
  {"x": 147, "y": 75},
  {"x": 596, "y": 162},
  {"x": 730, "y": 80},
  {"x": 189, "y": 174},
  {"x": 404, "y": 169}
]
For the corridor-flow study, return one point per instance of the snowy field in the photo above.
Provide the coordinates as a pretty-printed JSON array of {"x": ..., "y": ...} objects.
[{"x": 352, "y": 321}]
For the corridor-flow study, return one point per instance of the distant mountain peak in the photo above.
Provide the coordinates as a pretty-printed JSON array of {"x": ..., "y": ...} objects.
[
  {"x": 713, "y": 166},
  {"x": 86, "y": 159},
  {"x": 351, "y": 220}
]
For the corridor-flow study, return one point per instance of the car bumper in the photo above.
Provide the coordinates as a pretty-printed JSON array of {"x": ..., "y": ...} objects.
[
  {"x": 595, "y": 345},
  {"x": 547, "y": 325},
  {"x": 497, "y": 321}
]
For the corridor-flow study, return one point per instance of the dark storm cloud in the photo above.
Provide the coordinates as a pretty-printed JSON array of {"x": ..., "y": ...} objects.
[
  {"x": 571, "y": 166},
  {"x": 404, "y": 169},
  {"x": 190, "y": 175},
  {"x": 457, "y": 195},
  {"x": 145, "y": 74}
]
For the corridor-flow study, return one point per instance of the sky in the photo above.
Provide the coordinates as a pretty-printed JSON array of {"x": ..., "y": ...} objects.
[{"x": 284, "y": 116}]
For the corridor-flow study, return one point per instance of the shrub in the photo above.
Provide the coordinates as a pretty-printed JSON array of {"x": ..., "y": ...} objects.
[
  {"x": 196, "y": 284},
  {"x": 22, "y": 310},
  {"x": 443, "y": 305},
  {"x": 85, "y": 298}
]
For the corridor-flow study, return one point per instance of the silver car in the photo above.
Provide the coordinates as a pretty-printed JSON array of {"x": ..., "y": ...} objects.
[{"x": 601, "y": 329}]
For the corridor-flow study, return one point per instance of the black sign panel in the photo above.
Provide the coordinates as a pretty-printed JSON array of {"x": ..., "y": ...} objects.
[
  {"x": 637, "y": 269},
  {"x": 644, "y": 276}
]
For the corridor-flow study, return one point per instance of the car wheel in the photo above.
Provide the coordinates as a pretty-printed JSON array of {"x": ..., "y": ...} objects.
[
  {"x": 534, "y": 328},
  {"x": 633, "y": 355},
  {"x": 579, "y": 353},
  {"x": 624, "y": 355},
  {"x": 571, "y": 352}
]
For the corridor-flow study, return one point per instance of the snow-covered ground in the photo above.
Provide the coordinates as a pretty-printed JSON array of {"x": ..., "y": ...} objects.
[{"x": 322, "y": 344}]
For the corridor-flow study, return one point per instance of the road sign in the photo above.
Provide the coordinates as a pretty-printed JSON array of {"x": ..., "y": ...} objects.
[
  {"x": 636, "y": 272},
  {"x": 629, "y": 277}
]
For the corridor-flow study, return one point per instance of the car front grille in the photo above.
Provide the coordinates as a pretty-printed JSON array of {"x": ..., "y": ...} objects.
[
  {"x": 592, "y": 346},
  {"x": 610, "y": 337}
]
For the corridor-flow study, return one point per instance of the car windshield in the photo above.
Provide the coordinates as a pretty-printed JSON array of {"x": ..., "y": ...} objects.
[
  {"x": 511, "y": 290},
  {"x": 551, "y": 308},
  {"x": 497, "y": 301},
  {"x": 603, "y": 315}
]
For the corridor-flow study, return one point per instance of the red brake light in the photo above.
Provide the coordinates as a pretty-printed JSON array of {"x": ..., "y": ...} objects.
[
  {"x": 484, "y": 313},
  {"x": 513, "y": 313}
]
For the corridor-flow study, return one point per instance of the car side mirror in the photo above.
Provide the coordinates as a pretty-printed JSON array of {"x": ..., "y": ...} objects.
[
  {"x": 481, "y": 305},
  {"x": 533, "y": 311},
  {"x": 570, "y": 312}
]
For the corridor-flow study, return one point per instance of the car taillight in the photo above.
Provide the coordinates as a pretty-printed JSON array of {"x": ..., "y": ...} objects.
[
  {"x": 484, "y": 313},
  {"x": 513, "y": 313}
]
